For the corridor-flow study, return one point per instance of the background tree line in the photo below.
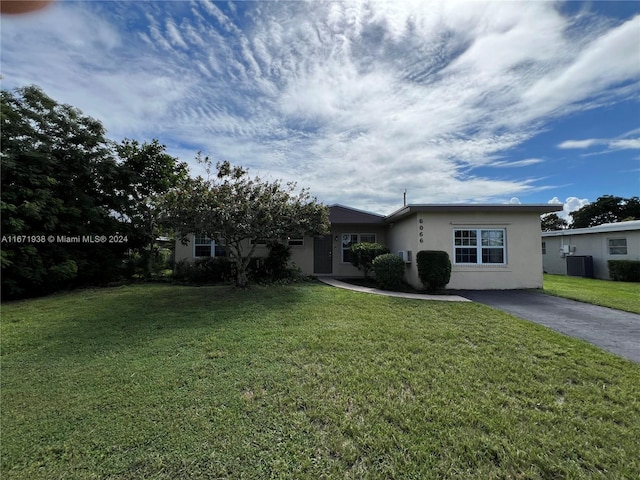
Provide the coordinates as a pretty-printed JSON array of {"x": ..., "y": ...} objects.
[
  {"x": 62, "y": 178},
  {"x": 606, "y": 209}
]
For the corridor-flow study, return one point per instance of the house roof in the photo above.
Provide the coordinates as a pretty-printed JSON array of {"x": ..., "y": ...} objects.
[
  {"x": 604, "y": 228},
  {"x": 339, "y": 214},
  {"x": 539, "y": 209}
]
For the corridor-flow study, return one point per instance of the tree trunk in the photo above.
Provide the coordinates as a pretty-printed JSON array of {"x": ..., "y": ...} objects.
[
  {"x": 242, "y": 279},
  {"x": 242, "y": 263}
]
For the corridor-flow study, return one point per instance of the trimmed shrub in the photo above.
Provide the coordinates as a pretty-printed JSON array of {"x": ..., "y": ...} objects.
[
  {"x": 434, "y": 268},
  {"x": 624, "y": 270},
  {"x": 204, "y": 270},
  {"x": 389, "y": 270},
  {"x": 362, "y": 255}
]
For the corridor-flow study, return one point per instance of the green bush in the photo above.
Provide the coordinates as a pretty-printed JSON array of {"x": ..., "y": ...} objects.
[
  {"x": 273, "y": 267},
  {"x": 389, "y": 270},
  {"x": 434, "y": 268},
  {"x": 162, "y": 260},
  {"x": 363, "y": 254},
  {"x": 137, "y": 263},
  {"x": 277, "y": 262},
  {"x": 624, "y": 270},
  {"x": 204, "y": 270},
  {"x": 63, "y": 272}
]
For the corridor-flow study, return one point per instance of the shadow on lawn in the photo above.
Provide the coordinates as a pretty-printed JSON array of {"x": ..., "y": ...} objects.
[{"x": 95, "y": 321}]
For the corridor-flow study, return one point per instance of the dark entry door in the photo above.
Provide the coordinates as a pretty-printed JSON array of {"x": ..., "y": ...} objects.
[{"x": 323, "y": 254}]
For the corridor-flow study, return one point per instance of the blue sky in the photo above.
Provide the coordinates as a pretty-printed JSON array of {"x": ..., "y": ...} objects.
[{"x": 496, "y": 102}]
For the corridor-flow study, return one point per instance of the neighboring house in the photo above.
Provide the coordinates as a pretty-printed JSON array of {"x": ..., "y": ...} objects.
[
  {"x": 490, "y": 246},
  {"x": 609, "y": 241}
]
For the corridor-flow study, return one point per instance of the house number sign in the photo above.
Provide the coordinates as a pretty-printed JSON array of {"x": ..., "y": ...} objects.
[{"x": 420, "y": 234}]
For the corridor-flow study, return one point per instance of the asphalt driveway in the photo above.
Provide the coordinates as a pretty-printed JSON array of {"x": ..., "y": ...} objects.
[{"x": 613, "y": 330}]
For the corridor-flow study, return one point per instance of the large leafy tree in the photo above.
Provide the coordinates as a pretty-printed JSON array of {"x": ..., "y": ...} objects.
[
  {"x": 606, "y": 209},
  {"x": 145, "y": 172},
  {"x": 552, "y": 222},
  {"x": 58, "y": 178},
  {"x": 232, "y": 207}
]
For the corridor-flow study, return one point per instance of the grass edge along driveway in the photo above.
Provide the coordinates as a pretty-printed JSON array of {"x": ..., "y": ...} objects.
[
  {"x": 304, "y": 381},
  {"x": 619, "y": 295}
]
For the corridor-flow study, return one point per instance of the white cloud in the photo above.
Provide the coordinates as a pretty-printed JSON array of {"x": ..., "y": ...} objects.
[
  {"x": 611, "y": 59},
  {"x": 589, "y": 142},
  {"x": 625, "y": 144},
  {"x": 174, "y": 35},
  {"x": 357, "y": 100},
  {"x": 571, "y": 204},
  {"x": 517, "y": 163},
  {"x": 611, "y": 144}
]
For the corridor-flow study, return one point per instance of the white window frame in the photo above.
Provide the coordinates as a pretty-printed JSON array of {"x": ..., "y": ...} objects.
[
  {"x": 610, "y": 247},
  {"x": 470, "y": 242},
  {"x": 347, "y": 238},
  {"x": 202, "y": 241}
]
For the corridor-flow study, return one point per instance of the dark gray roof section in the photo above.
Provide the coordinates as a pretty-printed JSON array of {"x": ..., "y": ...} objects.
[
  {"x": 540, "y": 209},
  {"x": 339, "y": 214}
]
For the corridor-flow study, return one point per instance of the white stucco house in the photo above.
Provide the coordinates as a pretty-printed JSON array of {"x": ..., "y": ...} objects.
[
  {"x": 609, "y": 241},
  {"x": 490, "y": 246}
]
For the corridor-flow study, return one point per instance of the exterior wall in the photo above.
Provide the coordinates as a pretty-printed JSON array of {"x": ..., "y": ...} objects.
[
  {"x": 523, "y": 268},
  {"x": 434, "y": 231},
  {"x": 302, "y": 255},
  {"x": 403, "y": 236},
  {"x": 185, "y": 252},
  {"x": 552, "y": 261},
  {"x": 341, "y": 269},
  {"x": 595, "y": 244}
]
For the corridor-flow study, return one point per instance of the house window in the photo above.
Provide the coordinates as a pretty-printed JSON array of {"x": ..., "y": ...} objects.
[
  {"x": 295, "y": 240},
  {"x": 479, "y": 246},
  {"x": 544, "y": 248},
  {"x": 617, "y": 246},
  {"x": 203, "y": 246},
  {"x": 259, "y": 241},
  {"x": 349, "y": 239}
]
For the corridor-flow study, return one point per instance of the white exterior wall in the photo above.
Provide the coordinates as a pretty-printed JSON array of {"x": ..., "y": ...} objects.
[
  {"x": 403, "y": 235},
  {"x": 302, "y": 255},
  {"x": 552, "y": 261},
  {"x": 523, "y": 268},
  {"x": 595, "y": 244},
  {"x": 341, "y": 269},
  {"x": 186, "y": 252}
]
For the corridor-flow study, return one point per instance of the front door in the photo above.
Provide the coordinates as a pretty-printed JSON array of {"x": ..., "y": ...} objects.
[{"x": 323, "y": 254}]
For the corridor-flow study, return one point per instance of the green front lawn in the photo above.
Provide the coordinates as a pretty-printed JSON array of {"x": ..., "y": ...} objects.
[
  {"x": 305, "y": 381},
  {"x": 619, "y": 295}
]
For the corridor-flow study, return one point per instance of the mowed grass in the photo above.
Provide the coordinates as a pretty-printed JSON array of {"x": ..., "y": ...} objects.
[
  {"x": 619, "y": 295},
  {"x": 304, "y": 381}
]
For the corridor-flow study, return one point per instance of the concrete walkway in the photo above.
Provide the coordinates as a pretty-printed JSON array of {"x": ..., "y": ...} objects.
[
  {"x": 613, "y": 330},
  {"x": 416, "y": 296}
]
